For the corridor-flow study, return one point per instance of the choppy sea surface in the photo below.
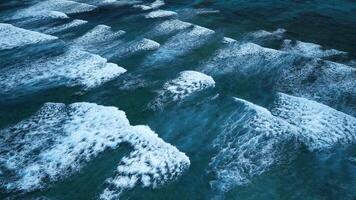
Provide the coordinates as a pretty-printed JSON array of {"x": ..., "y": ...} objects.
[{"x": 178, "y": 100}]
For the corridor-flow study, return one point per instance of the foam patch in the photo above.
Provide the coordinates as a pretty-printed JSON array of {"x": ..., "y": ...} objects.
[
  {"x": 309, "y": 49},
  {"x": 59, "y": 140},
  {"x": 251, "y": 142},
  {"x": 13, "y": 37},
  {"x": 182, "y": 43},
  {"x": 321, "y": 127},
  {"x": 60, "y": 6},
  {"x": 187, "y": 83},
  {"x": 160, "y": 14},
  {"x": 73, "y": 68},
  {"x": 328, "y": 82}
]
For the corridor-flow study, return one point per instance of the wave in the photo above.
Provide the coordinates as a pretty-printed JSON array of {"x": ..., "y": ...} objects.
[
  {"x": 181, "y": 43},
  {"x": 251, "y": 142},
  {"x": 60, "y": 139},
  {"x": 14, "y": 37},
  {"x": 187, "y": 83},
  {"x": 325, "y": 81},
  {"x": 321, "y": 127},
  {"x": 60, "y": 6},
  {"x": 72, "y": 68},
  {"x": 160, "y": 14}
]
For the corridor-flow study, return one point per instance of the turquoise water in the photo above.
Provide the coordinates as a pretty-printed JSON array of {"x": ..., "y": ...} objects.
[{"x": 290, "y": 134}]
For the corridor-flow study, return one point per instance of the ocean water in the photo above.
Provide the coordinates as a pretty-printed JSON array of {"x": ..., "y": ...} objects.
[{"x": 181, "y": 100}]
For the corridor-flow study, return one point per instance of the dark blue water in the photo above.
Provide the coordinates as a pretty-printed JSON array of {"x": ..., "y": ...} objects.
[{"x": 242, "y": 99}]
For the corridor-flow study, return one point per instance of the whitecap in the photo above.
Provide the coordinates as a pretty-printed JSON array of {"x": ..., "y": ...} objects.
[
  {"x": 321, "y": 127},
  {"x": 152, "y": 163},
  {"x": 59, "y": 140},
  {"x": 72, "y": 68},
  {"x": 63, "y": 27},
  {"x": 309, "y": 49},
  {"x": 97, "y": 37},
  {"x": 61, "y": 6},
  {"x": 137, "y": 46},
  {"x": 181, "y": 44},
  {"x": 12, "y": 37},
  {"x": 169, "y": 27},
  {"x": 328, "y": 82},
  {"x": 251, "y": 142},
  {"x": 187, "y": 83},
  {"x": 160, "y": 14}
]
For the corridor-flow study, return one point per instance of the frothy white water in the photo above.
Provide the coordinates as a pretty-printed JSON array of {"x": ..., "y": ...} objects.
[
  {"x": 328, "y": 82},
  {"x": 263, "y": 35},
  {"x": 59, "y": 140},
  {"x": 321, "y": 127},
  {"x": 12, "y": 37},
  {"x": 246, "y": 58},
  {"x": 160, "y": 14},
  {"x": 169, "y": 27},
  {"x": 154, "y": 5},
  {"x": 227, "y": 40},
  {"x": 187, "y": 83},
  {"x": 309, "y": 49},
  {"x": 73, "y": 68},
  {"x": 181, "y": 44},
  {"x": 64, "y": 27},
  {"x": 251, "y": 141},
  {"x": 135, "y": 47},
  {"x": 152, "y": 163},
  {"x": 324, "y": 81},
  {"x": 61, "y": 6},
  {"x": 101, "y": 36}
]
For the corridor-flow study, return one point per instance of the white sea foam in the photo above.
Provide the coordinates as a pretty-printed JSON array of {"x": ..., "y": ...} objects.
[
  {"x": 98, "y": 36},
  {"x": 135, "y": 47},
  {"x": 328, "y": 82},
  {"x": 12, "y": 37},
  {"x": 324, "y": 81},
  {"x": 73, "y": 68},
  {"x": 321, "y": 127},
  {"x": 228, "y": 40},
  {"x": 151, "y": 164},
  {"x": 266, "y": 35},
  {"x": 246, "y": 58},
  {"x": 63, "y": 27},
  {"x": 169, "y": 27},
  {"x": 251, "y": 141},
  {"x": 309, "y": 49},
  {"x": 59, "y": 140},
  {"x": 160, "y": 14},
  {"x": 154, "y": 5},
  {"x": 187, "y": 83},
  {"x": 181, "y": 44},
  {"x": 61, "y": 6}
]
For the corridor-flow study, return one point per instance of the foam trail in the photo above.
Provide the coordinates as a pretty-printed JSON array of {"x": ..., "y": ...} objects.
[
  {"x": 63, "y": 27},
  {"x": 72, "y": 68},
  {"x": 13, "y": 37},
  {"x": 46, "y": 8},
  {"x": 309, "y": 49},
  {"x": 154, "y": 5},
  {"x": 328, "y": 82},
  {"x": 160, "y": 14},
  {"x": 251, "y": 142},
  {"x": 321, "y": 127},
  {"x": 104, "y": 41},
  {"x": 181, "y": 44},
  {"x": 152, "y": 163},
  {"x": 169, "y": 27},
  {"x": 187, "y": 83},
  {"x": 60, "y": 139}
]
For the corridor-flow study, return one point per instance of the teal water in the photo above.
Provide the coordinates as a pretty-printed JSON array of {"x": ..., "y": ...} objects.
[{"x": 232, "y": 155}]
